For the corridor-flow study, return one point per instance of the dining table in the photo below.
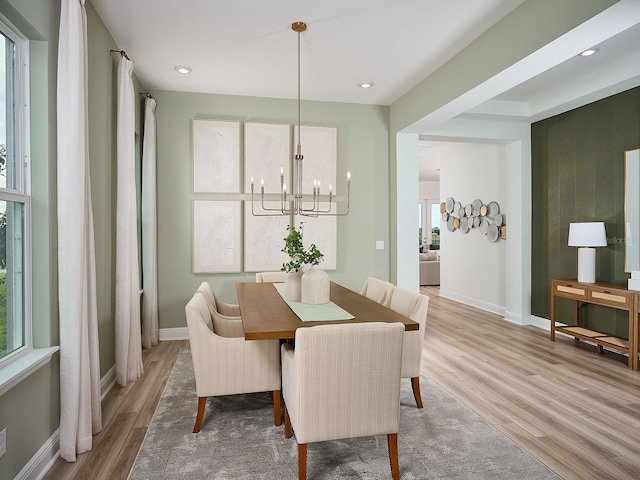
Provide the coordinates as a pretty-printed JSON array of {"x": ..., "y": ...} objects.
[{"x": 267, "y": 316}]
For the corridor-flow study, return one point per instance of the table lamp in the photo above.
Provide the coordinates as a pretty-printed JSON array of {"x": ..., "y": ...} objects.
[{"x": 587, "y": 235}]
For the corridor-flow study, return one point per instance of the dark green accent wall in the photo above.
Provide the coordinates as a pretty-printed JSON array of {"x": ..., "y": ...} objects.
[{"x": 578, "y": 176}]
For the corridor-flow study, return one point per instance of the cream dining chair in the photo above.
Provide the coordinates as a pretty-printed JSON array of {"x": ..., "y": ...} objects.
[
  {"x": 414, "y": 306},
  {"x": 229, "y": 365},
  {"x": 272, "y": 277},
  {"x": 377, "y": 290},
  {"x": 217, "y": 305},
  {"x": 343, "y": 381}
]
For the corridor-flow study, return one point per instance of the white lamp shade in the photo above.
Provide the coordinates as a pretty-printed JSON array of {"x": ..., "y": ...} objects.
[{"x": 587, "y": 234}]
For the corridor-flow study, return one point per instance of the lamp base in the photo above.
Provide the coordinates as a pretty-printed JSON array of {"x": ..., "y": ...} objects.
[{"x": 586, "y": 265}]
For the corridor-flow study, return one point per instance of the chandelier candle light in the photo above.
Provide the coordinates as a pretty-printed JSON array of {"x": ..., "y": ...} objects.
[{"x": 292, "y": 203}]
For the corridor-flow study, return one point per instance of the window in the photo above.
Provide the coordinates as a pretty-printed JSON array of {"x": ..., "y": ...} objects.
[{"x": 15, "y": 334}]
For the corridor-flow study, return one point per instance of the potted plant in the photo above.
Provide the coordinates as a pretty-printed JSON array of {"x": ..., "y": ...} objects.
[
  {"x": 294, "y": 247},
  {"x": 298, "y": 259}
]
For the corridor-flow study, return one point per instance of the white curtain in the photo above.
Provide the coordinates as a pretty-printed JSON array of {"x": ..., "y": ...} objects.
[
  {"x": 80, "y": 412},
  {"x": 128, "y": 335},
  {"x": 149, "y": 229}
]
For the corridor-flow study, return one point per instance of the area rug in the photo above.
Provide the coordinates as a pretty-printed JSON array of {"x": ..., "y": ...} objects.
[{"x": 444, "y": 440}]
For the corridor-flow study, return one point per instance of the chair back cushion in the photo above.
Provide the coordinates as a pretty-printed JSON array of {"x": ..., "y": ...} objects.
[
  {"x": 209, "y": 297},
  {"x": 377, "y": 290},
  {"x": 414, "y": 306},
  {"x": 198, "y": 310},
  {"x": 410, "y": 304},
  {"x": 215, "y": 304},
  {"x": 225, "y": 326},
  {"x": 344, "y": 381},
  {"x": 272, "y": 277}
]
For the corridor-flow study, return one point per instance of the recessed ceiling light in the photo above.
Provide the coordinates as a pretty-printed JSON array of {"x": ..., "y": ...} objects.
[
  {"x": 366, "y": 85},
  {"x": 588, "y": 53},
  {"x": 182, "y": 69}
]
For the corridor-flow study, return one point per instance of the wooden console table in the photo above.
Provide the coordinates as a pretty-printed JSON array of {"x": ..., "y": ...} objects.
[{"x": 605, "y": 294}]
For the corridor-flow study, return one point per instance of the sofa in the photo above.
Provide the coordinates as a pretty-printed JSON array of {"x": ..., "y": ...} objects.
[{"x": 429, "y": 268}]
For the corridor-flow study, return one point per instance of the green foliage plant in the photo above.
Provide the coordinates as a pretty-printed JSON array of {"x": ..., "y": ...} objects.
[{"x": 294, "y": 247}]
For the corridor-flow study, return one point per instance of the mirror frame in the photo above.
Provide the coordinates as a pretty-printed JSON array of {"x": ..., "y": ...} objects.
[{"x": 632, "y": 210}]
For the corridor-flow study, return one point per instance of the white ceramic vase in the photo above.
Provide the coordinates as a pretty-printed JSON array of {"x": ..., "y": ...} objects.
[
  {"x": 292, "y": 286},
  {"x": 316, "y": 286}
]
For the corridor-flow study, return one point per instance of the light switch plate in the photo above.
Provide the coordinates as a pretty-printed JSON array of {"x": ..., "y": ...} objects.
[{"x": 379, "y": 244}]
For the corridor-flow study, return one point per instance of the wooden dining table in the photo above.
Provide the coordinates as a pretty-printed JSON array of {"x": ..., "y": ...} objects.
[{"x": 266, "y": 315}]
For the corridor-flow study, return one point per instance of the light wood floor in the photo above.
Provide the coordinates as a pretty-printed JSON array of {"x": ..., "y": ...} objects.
[
  {"x": 126, "y": 414},
  {"x": 574, "y": 410}
]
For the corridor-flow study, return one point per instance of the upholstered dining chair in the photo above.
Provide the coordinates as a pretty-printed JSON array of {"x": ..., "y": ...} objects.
[
  {"x": 272, "y": 277},
  {"x": 343, "y": 381},
  {"x": 229, "y": 365},
  {"x": 217, "y": 305},
  {"x": 377, "y": 290},
  {"x": 414, "y": 306}
]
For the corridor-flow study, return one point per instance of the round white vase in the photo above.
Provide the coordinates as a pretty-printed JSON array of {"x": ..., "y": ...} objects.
[
  {"x": 316, "y": 286},
  {"x": 292, "y": 286}
]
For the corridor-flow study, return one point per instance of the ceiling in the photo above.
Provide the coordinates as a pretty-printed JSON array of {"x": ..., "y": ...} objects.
[{"x": 248, "y": 48}]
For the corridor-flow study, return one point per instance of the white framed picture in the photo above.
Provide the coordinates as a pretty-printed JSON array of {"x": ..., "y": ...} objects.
[
  {"x": 267, "y": 153},
  {"x": 321, "y": 231},
  {"x": 217, "y": 236},
  {"x": 263, "y": 240},
  {"x": 216, "y": 156}
]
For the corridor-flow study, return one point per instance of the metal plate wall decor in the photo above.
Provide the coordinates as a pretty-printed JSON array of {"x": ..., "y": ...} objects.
[
  {"x": 493, "y": 209},
  {"x": 493, "y": 234},
  {"x": 486, "y": 218},
  {"x": 450, "y": 226},
  {"x": 449, "y": 205}
]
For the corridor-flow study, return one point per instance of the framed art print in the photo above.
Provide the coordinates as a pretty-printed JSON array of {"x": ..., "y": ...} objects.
[
  {"x": 217, "y": 237},
  {"x": 267, "y": 152},
  {"x": 263, "y": 240},
  {"x": 216, "y": 156}
]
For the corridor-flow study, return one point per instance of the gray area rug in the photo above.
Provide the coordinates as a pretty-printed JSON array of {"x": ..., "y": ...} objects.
[{"x": 444, "y": 440}]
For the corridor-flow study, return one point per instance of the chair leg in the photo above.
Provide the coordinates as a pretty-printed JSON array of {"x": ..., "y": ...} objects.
[
  {"x": 276, "y": 408},
  {"x": 302, "y": 462},
  {"x": 415, "y": 384},
  {"x": 392, "y": 441},
  {"x": 287, "y": 423},
  {"x": 202, "y": 402}
]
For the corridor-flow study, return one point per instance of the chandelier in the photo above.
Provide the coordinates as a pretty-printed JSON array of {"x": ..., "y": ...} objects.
[{"x": 291, "y": 202}]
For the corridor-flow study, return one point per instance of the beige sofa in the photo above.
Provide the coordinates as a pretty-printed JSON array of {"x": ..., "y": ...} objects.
[{"x": 430, "y": 268}]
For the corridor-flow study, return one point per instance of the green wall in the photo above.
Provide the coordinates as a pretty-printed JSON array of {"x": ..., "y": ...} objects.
[
  {"x": 363, "y": 148},
  {"x": 30, "y": 411},
  {"x": 578, "y": 176}
]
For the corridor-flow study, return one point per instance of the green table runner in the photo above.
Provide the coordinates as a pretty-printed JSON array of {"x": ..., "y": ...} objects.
[{"x": 315, "y": 313}]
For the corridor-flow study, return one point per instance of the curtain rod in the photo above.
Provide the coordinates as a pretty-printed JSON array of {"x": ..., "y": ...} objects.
[
  {"x": 121, "y": 52},
  {"x": 146, "y": 94}
]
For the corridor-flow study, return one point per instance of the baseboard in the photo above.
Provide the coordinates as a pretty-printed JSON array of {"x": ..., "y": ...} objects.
[
  {"x": 107, "y": 382},
  {"x": 181, "y": 333},
  {"x": 43, "y": 460},
  {"x": 513, "y": 317},
  {"x": 473, "y": 302},
  {"x": 47, "y": 455},
  {"x": 540, "y": 322}
]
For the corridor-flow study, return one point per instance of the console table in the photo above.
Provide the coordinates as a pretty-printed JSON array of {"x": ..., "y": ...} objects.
[{"x": 605, "y": 294}]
